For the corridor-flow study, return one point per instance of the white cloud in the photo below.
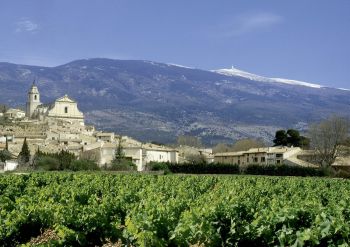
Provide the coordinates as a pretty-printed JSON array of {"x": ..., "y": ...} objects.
[
  {"x": 26, "y": 25},
  {"x": 249, "y": 23}
]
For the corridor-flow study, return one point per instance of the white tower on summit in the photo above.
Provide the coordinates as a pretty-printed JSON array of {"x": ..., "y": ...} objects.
[{"x": 33, "y": 100}]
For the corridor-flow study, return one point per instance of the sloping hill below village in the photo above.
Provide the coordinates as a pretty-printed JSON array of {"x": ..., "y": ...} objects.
[{"x": 156, "y": 101}]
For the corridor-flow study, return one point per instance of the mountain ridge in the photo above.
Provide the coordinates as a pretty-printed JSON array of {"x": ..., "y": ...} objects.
[
  {"x": 157, "y": 101},
  {"x": 233, "y": 71}
]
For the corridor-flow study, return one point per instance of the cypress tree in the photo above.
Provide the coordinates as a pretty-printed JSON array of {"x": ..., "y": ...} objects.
[
  {"x": 119, "y": 154},
  {"x": 7, "y": 144},
  {"x": 24, "y": 155}
]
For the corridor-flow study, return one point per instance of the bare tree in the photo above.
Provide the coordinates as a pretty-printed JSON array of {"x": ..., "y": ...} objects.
[
  {"x": 196, "y": 159},
  {"x": 222, "y": 147},
  {"x": 245, "y": 144},
  {"x": 3, "y": 108},
  {"x": 91, "y": 155},
  {"x": 327, "y": 137},
  {"x": 191, "y": 141}
]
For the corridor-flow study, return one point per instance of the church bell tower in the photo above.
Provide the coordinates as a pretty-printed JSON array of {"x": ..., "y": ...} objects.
[{"x": 33, "y": 100}]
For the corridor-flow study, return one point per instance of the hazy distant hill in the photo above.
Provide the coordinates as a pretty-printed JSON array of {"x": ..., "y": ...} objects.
[{"x": 156, "y": 101}]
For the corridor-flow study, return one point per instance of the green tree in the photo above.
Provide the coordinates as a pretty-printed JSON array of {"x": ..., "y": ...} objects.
[
  {"x": 119, "y": 153},
  {"x": 291, "y": 137},
  {"x": 65, "y": 158},
  {"x": 5, "y": 155},
  {"x": 120, "y": 162},
  {"x": 7, "y": 144},
  {"x": 281, "y": 138},
  {"x": 24, "y": 155}
]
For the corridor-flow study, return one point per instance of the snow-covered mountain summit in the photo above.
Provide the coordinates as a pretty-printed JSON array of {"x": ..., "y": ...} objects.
[{"x": 236, "y": 72}]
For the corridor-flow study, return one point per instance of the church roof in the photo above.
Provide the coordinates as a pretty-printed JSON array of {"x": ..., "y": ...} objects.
[
  {"x": 65, "y": 98},
  {"x": 34, "y": 89}
]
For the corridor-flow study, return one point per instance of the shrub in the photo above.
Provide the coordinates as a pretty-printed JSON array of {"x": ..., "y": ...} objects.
[
  {"x": 159, "y": 166},
  {"x": 283, "y": 170},
  {"x": 194, "y": 168},
  {"x": 83, "y": 165},
  {"x": 203, "y": 168},
  {"x": 47, "y": 163},
  {"x": 5, "y": 155},
  {"x": 338, "y": 173},
  {"x": 121, "y": 165},
  {"x": 64, "y": 159},
  {"x": 219, "y": 168}
]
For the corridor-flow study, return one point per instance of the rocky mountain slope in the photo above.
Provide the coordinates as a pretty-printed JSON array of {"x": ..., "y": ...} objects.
[{"x": 157, "y": 101}]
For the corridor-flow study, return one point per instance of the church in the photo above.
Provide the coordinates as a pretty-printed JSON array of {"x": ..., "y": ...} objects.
[{"x": 63, "y": 108}]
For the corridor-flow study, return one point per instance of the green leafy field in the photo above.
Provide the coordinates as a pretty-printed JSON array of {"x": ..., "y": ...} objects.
[{"x": 148, "y": 210}]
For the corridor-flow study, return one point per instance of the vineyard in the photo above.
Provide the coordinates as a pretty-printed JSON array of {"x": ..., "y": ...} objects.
[{"x": 91, "y": 209}]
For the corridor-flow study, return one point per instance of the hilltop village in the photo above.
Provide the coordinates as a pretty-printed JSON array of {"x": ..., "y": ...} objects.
[{"x": 60, "y": 125}]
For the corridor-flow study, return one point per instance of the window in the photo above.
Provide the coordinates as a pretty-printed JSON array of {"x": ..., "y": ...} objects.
[
  {"x": 278, "y": 162},
  {"x": 279, "y": 155},
  {"x": 66, "y": 109},
  {"x": 35, "y": 97},
  {"x": 262, "y": 159},
  {"x": 256, "y": 160}
]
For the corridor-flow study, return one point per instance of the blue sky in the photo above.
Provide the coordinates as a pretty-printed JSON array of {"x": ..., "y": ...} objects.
[{"x": 299, "y": 39}]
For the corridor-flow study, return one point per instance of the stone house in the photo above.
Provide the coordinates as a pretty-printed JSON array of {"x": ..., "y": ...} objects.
[
  {"x": 105, "y": 136},
  {"x": 104, "y": 152},
  {"x": 15, "y": 114},
  {"x": 147, "y": 153},
  {"x": 258, "y": 156}
]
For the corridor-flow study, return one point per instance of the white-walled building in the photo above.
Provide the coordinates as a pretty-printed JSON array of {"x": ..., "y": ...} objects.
[
  {"x": 104, "y": 153},
  {"x": 105, "y": 136},
  {"x": 147, "y": 153},
  {"x": 13, "y": 113},
  {"x": 63, "y": 108},
  {"x": 10, "y": 165},
  {"x": 9, "y": 138},
  {"x": 262, "y": 156}
]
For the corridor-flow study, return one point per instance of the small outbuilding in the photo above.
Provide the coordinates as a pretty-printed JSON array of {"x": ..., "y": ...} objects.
[{"x": 10, "y": 165}]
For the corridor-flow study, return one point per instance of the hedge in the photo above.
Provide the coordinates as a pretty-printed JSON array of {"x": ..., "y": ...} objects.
[{"x": 219, "y": 168}]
